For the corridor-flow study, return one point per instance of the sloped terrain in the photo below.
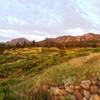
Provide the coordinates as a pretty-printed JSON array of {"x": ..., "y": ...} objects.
[{"x": 23, "y": 70}]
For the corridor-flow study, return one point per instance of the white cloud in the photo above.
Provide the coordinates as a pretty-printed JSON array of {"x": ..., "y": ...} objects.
[
  {"x": 10, "y": 34},
  {"x": 75, "y": 31},
  {"x": 37, "y": 19},
  {"x": 13, "y": 20},
  {"x": 89, "y": 10}
]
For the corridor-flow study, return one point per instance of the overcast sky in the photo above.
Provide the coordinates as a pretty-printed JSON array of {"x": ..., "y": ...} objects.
[{"x": 38, "y": 19}]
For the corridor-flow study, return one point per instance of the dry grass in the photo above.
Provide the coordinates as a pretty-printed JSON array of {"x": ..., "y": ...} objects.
[
  {"x": 24, "y": 69},
  {"x": 81, "y": 61}
]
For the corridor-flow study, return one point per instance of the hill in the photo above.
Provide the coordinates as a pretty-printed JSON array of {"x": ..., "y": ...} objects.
[
  {"x": 89, "y": 39},
  {"x": 85, "y": 37},
  {"x": 23, "y": 70},
  {"x": 16, "y": 41},
  {"x": 86, "y": 40}
]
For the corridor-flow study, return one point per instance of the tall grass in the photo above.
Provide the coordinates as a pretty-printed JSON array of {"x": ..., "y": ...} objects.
[{"x": 22, "y": 69}]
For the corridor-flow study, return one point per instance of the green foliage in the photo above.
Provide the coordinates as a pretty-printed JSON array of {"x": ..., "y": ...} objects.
[
  {"x": 41, "y": 95},
  {"x": 7, "y": 93}
]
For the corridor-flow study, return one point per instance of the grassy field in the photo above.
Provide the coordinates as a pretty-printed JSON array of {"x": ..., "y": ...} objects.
[{"x": 22, "y": 70}]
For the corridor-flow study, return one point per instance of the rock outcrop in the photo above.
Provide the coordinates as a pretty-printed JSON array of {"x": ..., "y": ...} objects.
[{"x": 86, "y": 90}]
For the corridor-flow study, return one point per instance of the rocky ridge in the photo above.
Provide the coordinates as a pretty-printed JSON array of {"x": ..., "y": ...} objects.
[{"x": 85, "y": 90}]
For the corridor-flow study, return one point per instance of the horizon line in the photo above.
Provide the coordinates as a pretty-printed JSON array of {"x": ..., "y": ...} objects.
[{"x": 48, "y": 37}]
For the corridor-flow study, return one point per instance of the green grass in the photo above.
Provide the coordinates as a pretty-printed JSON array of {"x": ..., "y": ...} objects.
[{"x": 22, "y": 70}]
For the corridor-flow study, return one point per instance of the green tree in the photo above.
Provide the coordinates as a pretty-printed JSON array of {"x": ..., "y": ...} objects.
[{"x": 2, "y": 48}]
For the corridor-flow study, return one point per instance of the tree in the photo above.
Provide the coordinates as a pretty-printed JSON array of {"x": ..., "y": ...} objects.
[
  {"x": 24, "y": 44},
  {"x": 2, "y": 48},
  {"x": 17, "y": 45},
  {"x": 33, "y": 43},
  {"x": 7, "y": 46},
  {"x": 93, "y": 44},
  {"x": 61, "y": 52}
]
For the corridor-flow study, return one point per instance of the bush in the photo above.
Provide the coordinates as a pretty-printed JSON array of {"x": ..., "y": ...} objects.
[
  {"x": 7, "y": 93},
  {"x": 41, "y": 95}
]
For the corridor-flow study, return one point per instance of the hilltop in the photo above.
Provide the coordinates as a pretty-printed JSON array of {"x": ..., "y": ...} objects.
[
  {"x": 89, "y": 39},
  {"x": 16, "y": 41}
]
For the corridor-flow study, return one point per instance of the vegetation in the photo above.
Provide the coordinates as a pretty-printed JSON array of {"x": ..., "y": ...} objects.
[{"x": 22, "y": 70}]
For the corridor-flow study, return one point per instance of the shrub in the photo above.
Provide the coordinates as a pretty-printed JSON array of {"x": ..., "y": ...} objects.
[
  {"x": 7, "y": 93},
  {"x": 41, "y": 95}
]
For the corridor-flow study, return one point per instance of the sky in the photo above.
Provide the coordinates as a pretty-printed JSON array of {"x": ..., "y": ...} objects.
[{"x": 38, "y": 19}]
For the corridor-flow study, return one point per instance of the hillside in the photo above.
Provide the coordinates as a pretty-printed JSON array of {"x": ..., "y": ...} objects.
[
  {"x": 89, "y": 37},
  {"x": 86, "y": 40},
  {"x": 25, "y": 69},
  {"x": 85, "y": 37},
  {"x": 16, "y": 41}
]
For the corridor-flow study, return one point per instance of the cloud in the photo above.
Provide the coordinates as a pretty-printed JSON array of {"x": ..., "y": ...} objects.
[
  {"x": 8, "y": 34},
  {"x": 89, "y": 10},
  {"x": 37, "y": 19},
  {"x": 13, "y": 20},
  {"x": 75, "y": 31}
]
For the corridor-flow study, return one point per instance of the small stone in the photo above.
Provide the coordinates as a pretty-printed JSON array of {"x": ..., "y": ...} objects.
[
  {"x": 85, "y": 84},
  {"x": 70, "y": 88},
  {"x": 61, "y": 86},
  {"x": 45, "y": 87},
  {"x": 77, "y": 87},
  {"x": 94, "y": 82},
  {"x": 94, "y": 89},
  {"x": 95, "y": 97},
  {"x": 78, "y": 95},
  {"x": 62, "y": 92},
  {"x": 86, "y": 94},
  {"x": 98, "y": 83},
  {"x": 84, "y": 98},
  {"x": 54, "y": 90}
]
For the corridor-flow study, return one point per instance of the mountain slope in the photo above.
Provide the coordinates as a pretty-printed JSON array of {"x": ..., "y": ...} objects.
[
  {"x": 85, "y": 37},
  {"x": 88, "y": 39},
  {"x": 20, "y": 41}
]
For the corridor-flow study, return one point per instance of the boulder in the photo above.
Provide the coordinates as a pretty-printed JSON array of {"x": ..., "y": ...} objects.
[
  {"x": 95, "y": 97},
  {"x": 85, "y": 84},
  {"x": 70, "y": 88},
  {"x": 77, "y": 87},
  {"x": 55, "y": 90},
  {"x": 84, "y": 98},
  {"x": 86, "y": 94},
  {"x": 62, "y": 92},
  {"x": 78, "y": 95},
  {"x": 94, "y": 89}
]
